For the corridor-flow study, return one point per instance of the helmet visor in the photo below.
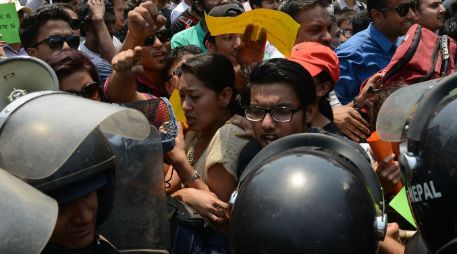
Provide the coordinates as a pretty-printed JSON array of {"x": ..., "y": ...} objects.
[
  {"x": 28, "y": 216},
  {"x": 398, "y": 110},
  {"x": 40, "y": 135}
]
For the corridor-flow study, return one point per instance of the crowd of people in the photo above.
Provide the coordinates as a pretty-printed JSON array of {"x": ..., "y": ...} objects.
[{"x": 241, "y": 97}]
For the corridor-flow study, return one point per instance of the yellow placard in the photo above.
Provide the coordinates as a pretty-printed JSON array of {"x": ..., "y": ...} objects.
[
  {"x": 281, "y": 28},
  {"x": 175, "y": 102}
]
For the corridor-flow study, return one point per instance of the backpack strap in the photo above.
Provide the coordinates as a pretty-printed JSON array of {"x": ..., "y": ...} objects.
[{"x": 444, "y": 42}]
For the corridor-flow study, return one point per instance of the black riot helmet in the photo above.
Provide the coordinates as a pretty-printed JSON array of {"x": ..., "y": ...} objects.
[
  {"x": 53, "y": 141},
  {"x": 427, "y": 123},
  {"x": 90, "y": 168},
  {"x": 307, "y": 193}
]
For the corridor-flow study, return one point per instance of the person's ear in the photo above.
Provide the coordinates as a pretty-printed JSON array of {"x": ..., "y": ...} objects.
[
  {"x": 323, "y": 88},
  {"x": 309, "y": 113},
  {"x": 210, "y": 46},
  {"x": 225, "y": 96},
  {"x": 376, "y": 15}
]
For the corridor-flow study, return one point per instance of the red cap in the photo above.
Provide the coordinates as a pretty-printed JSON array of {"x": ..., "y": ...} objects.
[{"x": 315, "y": 58}]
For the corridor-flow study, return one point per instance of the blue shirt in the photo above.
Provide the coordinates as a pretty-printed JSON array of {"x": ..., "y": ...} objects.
[{"x": 360, "y": 57}]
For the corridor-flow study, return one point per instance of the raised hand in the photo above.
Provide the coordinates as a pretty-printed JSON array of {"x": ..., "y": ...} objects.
[
  {"x": 252, "y": 51},
  {"x": 128, "y": 61},
  {"x": 145, "y": 20},
  {"x": 96, "y": 9}
]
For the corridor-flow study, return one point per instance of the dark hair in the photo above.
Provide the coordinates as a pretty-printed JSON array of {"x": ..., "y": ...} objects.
[
  {"x": 177, "y": 54},
  {"x": 450, "y": 28},
  {"x": 68, "y": 61},
  {"x": 216, "y": 72},
  {"x": 255, "y": 3},
  {"x": 130, "y": 5},
  {"x": 279, "y": 70},
  {"x": 324, "y": 105},
  {"x": 361, "y": 21},
  {"x": 66, "y": 6},
  {"x": 376, "y": 4},
  {"x": 32, "y": 23},
  {"x": 377, "y": 99},
  {"x": 294, "y": 7},
  {"x": 344, "y": 15}
]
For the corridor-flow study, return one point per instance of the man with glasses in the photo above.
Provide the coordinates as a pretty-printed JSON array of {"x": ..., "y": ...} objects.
[
  {"x": 281, "y": 102},
  {"x": 46, "y": 31},
  {"x": 138, "y": 68}
]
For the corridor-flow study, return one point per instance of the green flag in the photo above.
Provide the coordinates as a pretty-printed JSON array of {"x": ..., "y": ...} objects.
[{"x": 400, "y": 204}]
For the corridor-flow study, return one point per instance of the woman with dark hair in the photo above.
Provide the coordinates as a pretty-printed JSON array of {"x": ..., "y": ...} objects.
[
  {"x": 211, "y": 144},
  {"x": 208, "y": 100},
  {"x": 76, "y": 73}
]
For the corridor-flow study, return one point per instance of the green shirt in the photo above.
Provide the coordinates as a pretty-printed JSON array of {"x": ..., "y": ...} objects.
[{"x": 191, "y": 36}]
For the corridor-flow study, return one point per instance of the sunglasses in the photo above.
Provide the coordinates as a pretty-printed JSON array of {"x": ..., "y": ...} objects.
[
  {"x": 163, "y": 36},
  {"x": 402, "y": 9},
  {"x": 89, "y": 91},
  {"x": 56, "y": 41}
]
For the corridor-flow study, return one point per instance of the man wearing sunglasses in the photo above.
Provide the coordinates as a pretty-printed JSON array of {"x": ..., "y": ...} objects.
[
  {"x": 371, "y": 50},
  {"x": 46, "y": 31},
  {"x": 138, "y": 68}
]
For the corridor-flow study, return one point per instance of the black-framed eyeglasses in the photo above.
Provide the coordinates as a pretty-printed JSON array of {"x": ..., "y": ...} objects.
[
  {"x": 56, "y": 41},
  {"x": 279, "y": 114},
  {"x": 90, "y": 91},
  {"x": 163, "y": 36},
  {"x": 402, "y": 9}
]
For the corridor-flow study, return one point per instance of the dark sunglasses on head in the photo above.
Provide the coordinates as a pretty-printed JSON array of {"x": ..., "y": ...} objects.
[
  {"x": 163, "y": 36},
  {"x": 57, "y": 41},
  {"x": 402, "y": 9},
  {"x": 89, "y": 91}
]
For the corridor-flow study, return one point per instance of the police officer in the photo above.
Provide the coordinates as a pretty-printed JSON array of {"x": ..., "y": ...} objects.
[
  {"x": 92, "y": 158},
  {"x": 426, "y": 122},
  {"x": 308, "y": 193}
]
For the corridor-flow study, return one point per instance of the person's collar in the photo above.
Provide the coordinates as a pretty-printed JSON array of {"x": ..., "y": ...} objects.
[
  {"x": 380, "y": 38},
  {"x": 200, "y": 28}
]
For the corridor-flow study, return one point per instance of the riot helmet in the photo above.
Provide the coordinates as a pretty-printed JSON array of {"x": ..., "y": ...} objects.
[
  {"x": 306, "y": 193},
  {"x": 68, "y": 146},
  {"x": 426, "y": 125}
]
